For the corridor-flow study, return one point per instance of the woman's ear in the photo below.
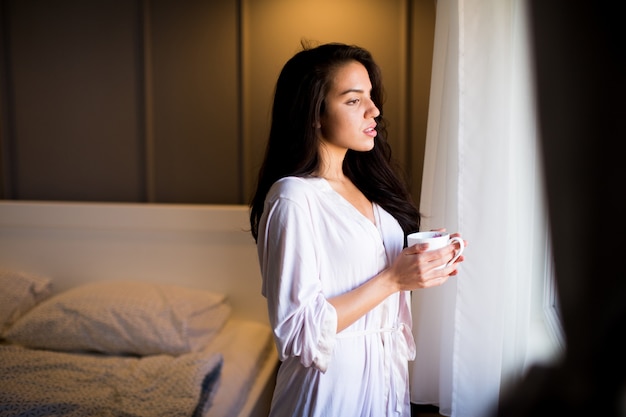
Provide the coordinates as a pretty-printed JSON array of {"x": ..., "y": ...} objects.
[{"x": 317, "y": 125}]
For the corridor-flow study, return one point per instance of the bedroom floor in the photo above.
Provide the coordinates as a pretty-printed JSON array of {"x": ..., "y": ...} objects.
[{"x": 424, "y": 411}]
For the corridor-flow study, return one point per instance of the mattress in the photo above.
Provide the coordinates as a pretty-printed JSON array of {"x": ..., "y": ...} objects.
[{"x": 246, "y": 347}]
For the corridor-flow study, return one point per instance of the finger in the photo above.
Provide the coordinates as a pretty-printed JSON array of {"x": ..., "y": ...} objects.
[
  {"x": 459, "y": 235},
  {"x": 417, "y": 248},
  {"x": 436, "y": 282}
]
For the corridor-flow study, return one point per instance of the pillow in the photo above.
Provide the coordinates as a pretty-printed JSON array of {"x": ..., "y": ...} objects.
[
  {"x": 124, "y": 317},
  {"x": 19, "y": 292}
]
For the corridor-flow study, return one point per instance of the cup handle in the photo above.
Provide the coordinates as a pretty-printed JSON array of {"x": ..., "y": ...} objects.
[{"x": 459, "y": 251}]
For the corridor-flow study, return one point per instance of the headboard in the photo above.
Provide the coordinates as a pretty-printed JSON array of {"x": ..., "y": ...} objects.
[{"x": 197, "y": 246}]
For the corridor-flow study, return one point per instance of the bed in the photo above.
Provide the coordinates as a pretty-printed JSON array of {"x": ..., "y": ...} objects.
[{"x": 115, "y": 309}]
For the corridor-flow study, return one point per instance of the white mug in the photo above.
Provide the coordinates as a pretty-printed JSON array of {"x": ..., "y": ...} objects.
[{"x": 437, "y": 240}]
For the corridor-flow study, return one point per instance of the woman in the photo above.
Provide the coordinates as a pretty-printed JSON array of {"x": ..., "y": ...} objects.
[{"x": 330, "y": 217}]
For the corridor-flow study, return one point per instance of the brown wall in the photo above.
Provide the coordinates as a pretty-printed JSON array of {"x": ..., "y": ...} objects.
[{"x": 168, "y": 101}]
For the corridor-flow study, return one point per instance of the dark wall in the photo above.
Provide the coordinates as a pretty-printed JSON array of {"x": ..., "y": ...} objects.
[
  {"x": 168, "y": 100},
  {"x": 120, "y": 100}
]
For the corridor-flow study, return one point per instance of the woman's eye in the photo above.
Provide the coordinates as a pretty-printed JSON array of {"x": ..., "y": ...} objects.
[{"x": 353, "y": 101}]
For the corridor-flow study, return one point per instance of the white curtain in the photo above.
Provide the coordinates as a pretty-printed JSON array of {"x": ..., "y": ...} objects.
[{"x": 481, "y": 178}]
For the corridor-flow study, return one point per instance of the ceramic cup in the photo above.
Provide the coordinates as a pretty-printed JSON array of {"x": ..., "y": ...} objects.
[{"x": 437, "y": 240}]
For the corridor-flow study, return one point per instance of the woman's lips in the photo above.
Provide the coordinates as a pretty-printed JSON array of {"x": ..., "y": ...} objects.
[{"x": 371, "y": 130}]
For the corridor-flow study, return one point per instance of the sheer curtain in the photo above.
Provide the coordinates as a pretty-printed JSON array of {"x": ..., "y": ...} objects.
[{"x": 481, "y": 178}]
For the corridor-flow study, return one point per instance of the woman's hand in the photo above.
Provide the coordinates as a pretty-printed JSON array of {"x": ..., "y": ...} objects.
[{"x": 417, "y": 267}]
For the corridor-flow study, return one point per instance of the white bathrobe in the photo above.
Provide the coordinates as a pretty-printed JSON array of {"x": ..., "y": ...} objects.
[{"x": 314, "y": 245}]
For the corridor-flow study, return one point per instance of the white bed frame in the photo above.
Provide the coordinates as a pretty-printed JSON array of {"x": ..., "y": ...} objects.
[{"x": 197, "y": 246}]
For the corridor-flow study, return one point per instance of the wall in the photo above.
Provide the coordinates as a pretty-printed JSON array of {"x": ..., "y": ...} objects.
[{"x": 168, "y": 101}]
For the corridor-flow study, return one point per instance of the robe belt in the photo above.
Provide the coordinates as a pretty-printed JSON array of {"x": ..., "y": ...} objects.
[{"x": 394, "y": 344}]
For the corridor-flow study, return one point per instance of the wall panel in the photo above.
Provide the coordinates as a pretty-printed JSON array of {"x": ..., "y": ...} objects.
[
  {"x": 421, "y": 39},
  {"x": 74, "y": 103},
  {"x": 195, "y": 92},
  {"x": 272, "y": 31}
]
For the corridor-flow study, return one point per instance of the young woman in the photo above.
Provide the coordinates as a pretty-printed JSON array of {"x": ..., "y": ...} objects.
[{"x": 330, "y": 217}]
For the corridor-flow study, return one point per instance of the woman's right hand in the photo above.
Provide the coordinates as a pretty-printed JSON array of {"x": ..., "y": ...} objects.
[{"x": 416, "y": 266}]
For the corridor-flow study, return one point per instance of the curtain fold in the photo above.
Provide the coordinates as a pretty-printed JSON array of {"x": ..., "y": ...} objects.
[{"x": 481, "y": 177}]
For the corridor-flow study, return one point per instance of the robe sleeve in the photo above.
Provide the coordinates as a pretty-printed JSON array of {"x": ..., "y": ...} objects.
[{"x": 303, "y": 321}]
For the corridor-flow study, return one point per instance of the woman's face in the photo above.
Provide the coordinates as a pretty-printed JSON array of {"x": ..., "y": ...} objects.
[{"x": 348, "y": 119}]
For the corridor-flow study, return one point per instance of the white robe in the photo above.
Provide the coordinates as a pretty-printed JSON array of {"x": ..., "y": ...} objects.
[{"x": 314, "y": 245}]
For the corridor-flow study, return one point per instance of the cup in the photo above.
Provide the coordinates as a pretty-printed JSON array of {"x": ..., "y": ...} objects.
[{"x": 437, "y": 240}]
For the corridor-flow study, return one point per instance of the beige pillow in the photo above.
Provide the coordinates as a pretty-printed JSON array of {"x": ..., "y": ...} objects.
[
  {"x": 19, "y": 292},
  {"x": 124, "y": 317}
]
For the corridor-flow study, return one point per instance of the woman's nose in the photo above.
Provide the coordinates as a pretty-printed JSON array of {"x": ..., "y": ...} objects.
[{"x": 373, "y": 111}]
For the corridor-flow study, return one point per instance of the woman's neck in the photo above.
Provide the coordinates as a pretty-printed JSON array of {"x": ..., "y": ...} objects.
[{"x": 331, "y": 163}]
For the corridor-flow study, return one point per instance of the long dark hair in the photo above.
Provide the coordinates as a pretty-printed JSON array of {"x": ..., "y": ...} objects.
[{"x": 292, "y": 148}]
